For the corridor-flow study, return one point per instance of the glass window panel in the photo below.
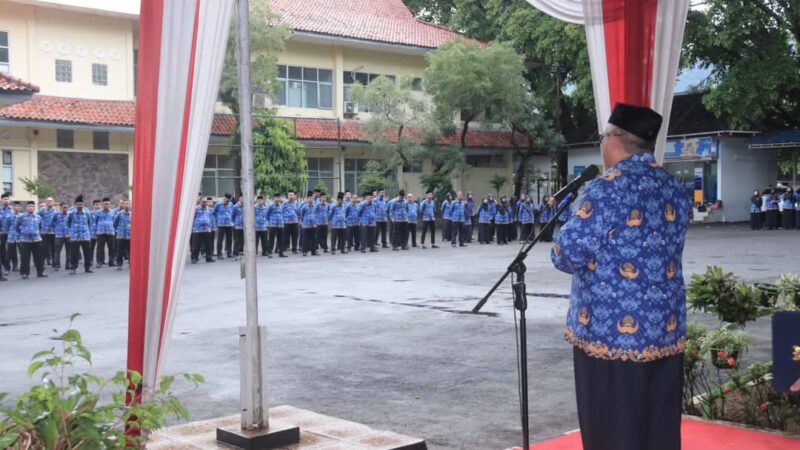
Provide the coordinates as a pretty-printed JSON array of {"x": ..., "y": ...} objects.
[
  {"x": 209, "y": 186},
  {"x": 326, "y": 75},
  {"x": 282, "y": 93},
  {"x": 347, "y": 93},
  {"x": 211, "y": 161},
  {"x": 63, "y": 71},
  {"x": 348, "y": 78},
  {"x": 65, "y": 139},
  {"x": 226, "y": 161},
  {"x": 362, "y": 78},
  {"x": 362, "y": 164},
  {"x": 100, "y": 74},
  {"x": 349, "y": 164},
  {"x": 325, "y": 96},
  {"x": 7, "y": 157},
  {"x": 326, "y": 165},
  {"x": 281, "y": 71},
  {"x": 5, "y": 67},
  {"x": 8, "y": 173},
  {"x": 3, "y": 55},
  {"x": 372, "y": 77},
  {"x": 226, "y": 185},
  {"x": 295, "y": 94},
  {"x": 8, "y": 187},
  {"x": 310, "y": 95},
  {"x": 309, "y": 74},
  {"x": 295, "y": 73},
  {"x": 3, "y": 38},
  {"x": 100, "y": 140},
  {"x": 416, "y": 84}
]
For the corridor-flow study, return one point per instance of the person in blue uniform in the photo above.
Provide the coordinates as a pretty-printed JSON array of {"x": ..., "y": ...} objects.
[
  {"x": 79, "y": 224},
  {"x": 237, "y": 215},
  {"x": 513, "y": 223},
  {"x": 458, "y": 218},
  {"x": 291, "y": 225},
  {"x": 122, "y": 230},
  {"x": 469, "y": 217},
  {"x": 321, "y": 219},
  {"x": 447, "y": 224},
  {"x": 12, "y": 249},
  {"x": 427, "y": 210},
  {"x": 104, "y": 234},
  {"x": 492, "y": 213},
  {"x": 62, "y": 238},
  {"x": 484, "y": 220},
  {"x": 381, "y": 216},
  {"x": 526, "y": 213},
  {"x": 262, "y": 232},
  {"x": 545, "y": 214},
  {"x": 413, "y": 218},
  {"x": 788, "y": 200},
  {"x": 398, "y": 212},
  {"x": 337, "y": 217},
  {"x": 274, "y": 214},
  {"x": 366, "y": 223},
  {"x": 627, "y": 314},
  {"x": 5, "y": 210},
  {"x": 756, "y": 204},
  {"x": 308, "y": 223},
  {"x": 203, "y": 230},
  {"x": 353, "y": 232},
  {"x": 96, "y": 205},
  {"x": 502, "y": 220},
  {"x": 29, "y": 238},
  {"x": 48, "y": 213},
  {"x": 223, "y": 217}
]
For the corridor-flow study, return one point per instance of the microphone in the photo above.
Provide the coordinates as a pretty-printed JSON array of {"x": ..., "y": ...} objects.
[{"x": 572, "y": 188}]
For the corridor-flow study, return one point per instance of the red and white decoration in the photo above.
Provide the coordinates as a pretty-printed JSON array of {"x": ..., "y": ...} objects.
[
  {"x": 181, "y": 51},
  {"x": 634, "y": 49}
]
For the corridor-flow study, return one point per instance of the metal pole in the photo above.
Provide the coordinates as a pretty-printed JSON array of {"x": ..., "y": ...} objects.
[{"x": 254, "y": 409}]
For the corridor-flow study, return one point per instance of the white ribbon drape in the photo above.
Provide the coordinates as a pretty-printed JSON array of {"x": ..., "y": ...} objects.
[{"x": 566, "y": 10}]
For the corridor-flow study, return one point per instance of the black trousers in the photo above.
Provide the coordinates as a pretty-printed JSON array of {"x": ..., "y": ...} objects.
[
  {"x": 368, "y": 237},
  {"x": 512, "y": 231},
  {"x": 48, "y": 247},
  {"x": 28, "y": 249},
  {"x": 238, "y": 241},
  {"x": 380, "y": 230},
  {"x": 788, "y": 219},
  {"x": 309, "y": 240},
  {"x": 61, "y": 243},
  {"x": 202, "y": 241},
  {"x": 78, "y": 247},
  {"x": 502, "y": 233},
  {"x": 3, "y": 240},
  {"x": 458, "y": 232},
  {"x": 428, "y": 224},
  {"x": 467, "y": 230},
  {"x": 755, "y": 220},
  {"x": 412, "y": 233},
  {"x": 322, "y": 237},
  {"x": 338, "y": 239},
  {"x": 447, "y": 229},
  {"x": 625, "y": 405},
  {"x": 546, "y": 236},
  {"x": 400, "y": 234},
  {"x": 772, "y": 219},
  {"x": 105, "y": 240},
  {"x": 275, "y": 243},
  {"x": 290, "y": 235},
  {"x": 261, "y": 239},
  {"x": 11, "y": 256},
  {"x": 353, "y": 237},
  {"x": 483, "y": 230},
  {"x": 527, "y": 229},
  {"x": 225, "y": 233},
  {"x": 123, "y": 250}
]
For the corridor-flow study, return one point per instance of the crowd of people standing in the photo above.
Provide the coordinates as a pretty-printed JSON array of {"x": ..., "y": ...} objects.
[
  {"x": 771, "y": 209},
  {"x": 100, "y": 234}
]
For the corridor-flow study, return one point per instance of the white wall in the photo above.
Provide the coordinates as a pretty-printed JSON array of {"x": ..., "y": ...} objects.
[
  {"x": 583, "y": 157},
  {"x": 739, "y": 172}
]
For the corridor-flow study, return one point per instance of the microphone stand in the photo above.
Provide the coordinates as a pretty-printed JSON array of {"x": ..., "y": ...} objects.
[{"x": 517, "y": 267}]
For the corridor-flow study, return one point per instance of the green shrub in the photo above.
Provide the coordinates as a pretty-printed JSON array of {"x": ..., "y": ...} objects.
[{"x": 724, "y": 294}]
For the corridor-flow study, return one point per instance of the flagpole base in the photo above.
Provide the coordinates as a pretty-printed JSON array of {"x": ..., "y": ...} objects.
[{"x": 272, "y": 437}]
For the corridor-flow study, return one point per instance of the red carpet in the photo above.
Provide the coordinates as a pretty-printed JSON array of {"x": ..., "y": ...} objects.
[{"x": 700, "y": 435}]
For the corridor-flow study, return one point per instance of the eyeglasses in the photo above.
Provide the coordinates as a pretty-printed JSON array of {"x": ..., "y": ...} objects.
[{"x": 605, "y": 135}]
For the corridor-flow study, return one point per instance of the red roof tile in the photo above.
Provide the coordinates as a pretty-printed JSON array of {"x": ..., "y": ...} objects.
[
  {"x": 15, "y": 85},
  {"x": 387, "y": 21}
]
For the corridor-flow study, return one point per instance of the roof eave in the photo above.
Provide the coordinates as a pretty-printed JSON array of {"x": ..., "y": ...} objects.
[{"x": 315, "y": 37}]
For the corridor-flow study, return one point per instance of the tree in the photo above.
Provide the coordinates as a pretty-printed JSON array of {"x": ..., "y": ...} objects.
[
  {"x": 498, "y": 182},
  {"x": 373, "y": 177},
  {"x": 38, "y": 187},
  {"x": 279, "y": 162}
]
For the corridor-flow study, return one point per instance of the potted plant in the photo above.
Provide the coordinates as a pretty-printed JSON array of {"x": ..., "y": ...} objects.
[
  {"x": 789, "y": 291},
  {"x": 767, "y": 294},
  {"x": 725, "y": 345},
  {"x": 724, "y": 294}
]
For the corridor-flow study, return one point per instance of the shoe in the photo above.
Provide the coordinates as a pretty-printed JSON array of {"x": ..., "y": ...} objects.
[
  {"x": 210, "y": 260},
  {"x": 385, "y": 246},
  {"x": 462, "y": 245},
  {"x": 2, "y": 278},
  {"x": 304, "y": 254},
  {"x": 41, "y": 275},
  {"x": 194, "y": 261},
  {"x": 363, "y": 251},
  {"x": 373, "y": 250},
  {"x": 119, "y": 268},
  {"x": 453, "y": 244},
  {"x": 72, "y": 272},
  {"x": 395, "y": 249},
  {"x": 56, "y": 269},
  {"x": 333, "y": 252},
  {"x": 434, "y": 246},
  {"x": 89, "y": 271},
  {"x": 314, "y": 253},
  {"x": 112, "y": 265},
  {"x": 405, "y": 248},
  {"x": 294, "y": 251},
  {"x": 415, "y": 245},
  {"x": 283, "y": 256},
  {"x": 24, "y": 277},
  {"x": 99, "y": 266}
]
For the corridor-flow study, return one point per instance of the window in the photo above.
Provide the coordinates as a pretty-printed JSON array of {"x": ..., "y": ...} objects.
[
  {"x": 353, "y": 168},
  {"x": 65, "y": 138},
  {"x": 320, "y": 169},
  {"x": 99, "y": 74},
  {"x": 7, "y": 174},
  {"x": 486, "y": 161},
  {"x": 412, "y": 167},
  {"x": 416, "y": 84},
  {"x": 5, "y": 65},
  {"x": 304, "y": 87},
  {"x": 135, "y": 69},
  {"x": 351, "y": 78},
  {"x": 100, "y": 140},
  {"x": 63, "y": 71},
  {"x": 219, "y": 176}
]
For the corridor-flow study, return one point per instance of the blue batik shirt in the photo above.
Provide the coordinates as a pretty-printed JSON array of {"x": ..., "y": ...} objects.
[
  {"x": 307, "y": 215},
  {"x": 321, "y": 214},
  {"x": 274, "y": 214},
  {"x": 104, "y": 222},
  {"x": 379, "y": 204},
  {"x": 413, "y": 212},
  {"x": 5, "y": 213},
  {"x": 337, "y": 215},
  {"x": 260, "y": 212},
  {"x": 469, "y": 210},
  {"x": 48, "y": 224},
  {"x": 290, "y": 212},
  {"x": 11, "y": 226},
  {"x": 237, "y": 214},
  {"x": 623, "y": 248},
  {"x": 79, "y": 224},
  {"x": 203, "y": 219},
  {"x": 29, "y": 227},
  {"x": 366, "y": 214},
  {"x": 223, "y": 214},
  {"x": 525, "y": 212},
  {"x": 485, "y": 215},
  {"x": 457, "y": 213},
  {"x": 351, "y": 212},
  {"x": 545, "y": 212},
  {"x": 502, "y": 217},
  {"x": 60, "y": 226},
  {"x": 788, "y": 201},
  {"x": 398, "y": 210},
  {"x": 122, "y": 224},
  {"x": 446, "y": 205},
  {"x": 428, "y": 210}
]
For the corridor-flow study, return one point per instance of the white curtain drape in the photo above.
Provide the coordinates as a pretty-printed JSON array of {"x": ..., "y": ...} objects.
[{"x": 566, "y": 10}]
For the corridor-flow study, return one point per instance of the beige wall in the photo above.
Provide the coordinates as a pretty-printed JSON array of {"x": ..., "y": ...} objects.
[{"x": 38, "y": 36}]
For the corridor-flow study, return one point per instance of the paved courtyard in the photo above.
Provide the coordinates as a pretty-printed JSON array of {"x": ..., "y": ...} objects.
[{"x": 380, "y": 339}]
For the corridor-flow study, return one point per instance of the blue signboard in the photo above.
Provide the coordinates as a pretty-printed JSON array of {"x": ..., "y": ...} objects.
[
  {"x": 695, "y": 148},
  {"x": 577, "y": 170}
]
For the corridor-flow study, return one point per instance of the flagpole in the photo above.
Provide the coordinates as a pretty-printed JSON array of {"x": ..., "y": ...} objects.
[{"x": 255, "y": 411}]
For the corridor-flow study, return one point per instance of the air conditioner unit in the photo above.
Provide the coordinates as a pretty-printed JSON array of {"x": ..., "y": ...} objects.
[
  {"x": 350, "y": 109},
  {"x": 262, "y": 101}
]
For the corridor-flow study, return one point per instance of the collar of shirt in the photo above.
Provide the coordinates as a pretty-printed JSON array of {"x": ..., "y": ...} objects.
[{"x": 633, "y": 160}]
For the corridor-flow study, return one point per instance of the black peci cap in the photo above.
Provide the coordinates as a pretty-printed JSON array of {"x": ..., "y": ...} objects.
[
  {"x": 637, "y": 120},
  {"x": 340, "y": 196},
  {"x": 79, "y": 199}
]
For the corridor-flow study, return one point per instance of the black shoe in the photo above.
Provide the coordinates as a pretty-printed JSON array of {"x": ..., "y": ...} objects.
[
  {"x": 405, "y": 248},
  {"x": 41, "y": 275},
  {"x": 314, "y": 253},
  {"x": 281, "y": 255},
  {"x": 112, "y": 265},
  {"x": 304, "y": 254},
  {"x": 434, "y": 246},
  {"x": 2, "y": 278},
  {"x": 333, "y": 252},
  {"x": 89, "y": 271},
  {"x": 194, "y": 261},
  {"x": 119, "y": 268},
  {"x": 24, "y": 277},
  {"x": 72, "y": 272},
  {"x": 210, "y": 260},
  {"x": 395, "y": 249},
  {"x": 415, "y": 245},
  {"x": 363, "y": 251},
  {"x": 99, "y": 265},
  {"x": 462, "y": 245},
  {"x": 294, "y": 251},
  {"x": 385, "y": 246},
  {"x": 373, "y": 250}
]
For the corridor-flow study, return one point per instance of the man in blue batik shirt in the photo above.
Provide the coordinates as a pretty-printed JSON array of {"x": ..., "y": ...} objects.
[
  {"x": 321, "y": 221},
  {"x": 275, "y": 222},
  {"x": 427, "y": 209},
  {"x": 202, "y": 230},
  {"x": 380, "y": 209},
  {"x": 223, "y": 217},
  {"x": 5, "y": 211},
  {"x": 366, "y": 223},
  {"x": 122, "y": 229},
  {"x": 48, "y": 214},
  {"x": 397, "y": 210},
  {"x": 80, "y": 225},
  {"x": 62, "y": 237},
  {"x": 29, "y": 237},
  {"x": 104, "y": 234},
  {"x": 627, "y": 315},
  {"x": 307, "y": 217},
  {"x": 337, "y": 217},
  {"x": 290, "y": 222},
  {"x": 260, "y": 211},
  {"x": 413, "y": 216}
]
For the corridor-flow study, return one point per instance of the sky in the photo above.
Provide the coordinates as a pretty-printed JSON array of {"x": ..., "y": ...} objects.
[{"x": 116, "y": 6}]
